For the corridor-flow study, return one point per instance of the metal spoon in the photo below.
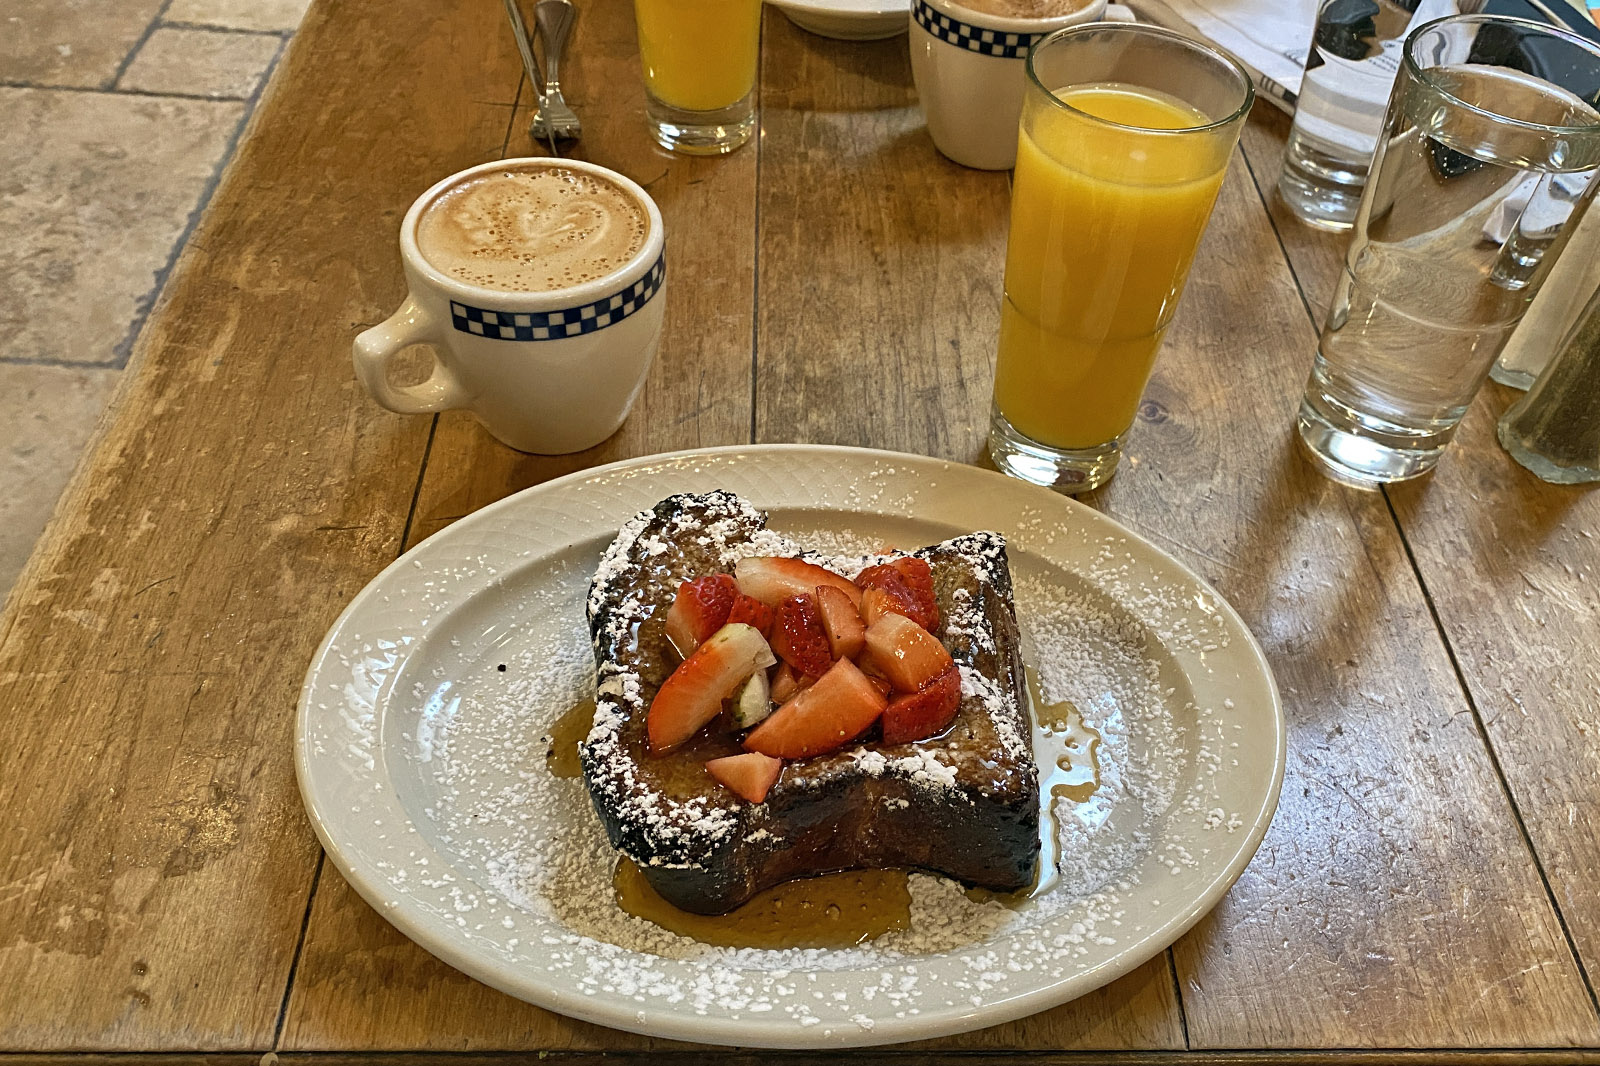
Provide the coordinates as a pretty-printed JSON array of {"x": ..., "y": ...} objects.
[
  {"x": 530, "y": 65},
  {"x": 555, "y": 119}
]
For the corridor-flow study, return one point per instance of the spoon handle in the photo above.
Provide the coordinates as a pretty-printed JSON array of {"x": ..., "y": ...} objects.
[{"x": 555, "y": 19}]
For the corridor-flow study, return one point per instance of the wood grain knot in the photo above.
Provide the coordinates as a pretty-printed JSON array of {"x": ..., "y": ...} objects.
[{"x": 1153, "y": 412}]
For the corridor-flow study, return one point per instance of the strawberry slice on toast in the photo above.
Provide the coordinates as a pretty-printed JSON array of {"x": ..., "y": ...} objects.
[
  {"x": 693, "y": 694},
  {"x": 751, "y": 775},
  {"x": 908, "y": 655},
  {"x": 826, "y": 716},
  {"x": 700, "y": 609},
  {"x": 774, "y": 579}
]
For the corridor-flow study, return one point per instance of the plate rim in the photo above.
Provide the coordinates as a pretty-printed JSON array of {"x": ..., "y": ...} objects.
[
  {"x": 894, "y": 9},
  {"x": 745, "y": 1031}
]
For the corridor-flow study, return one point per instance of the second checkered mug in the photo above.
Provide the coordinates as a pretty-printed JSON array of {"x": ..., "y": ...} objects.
[
  {"x": 539, "y": 286},
  {"x": 969, "y": 68}
]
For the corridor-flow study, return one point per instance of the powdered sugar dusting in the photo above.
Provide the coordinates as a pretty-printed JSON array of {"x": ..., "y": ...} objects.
[
  {"x": 541, "y": 847},
  {"x": 472, "y": 698}
]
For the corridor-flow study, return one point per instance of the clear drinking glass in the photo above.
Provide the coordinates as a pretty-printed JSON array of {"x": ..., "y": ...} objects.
[
  {"x": 1350, "y": 69},
  {"x": 1555, "y": 311},
  {"x": 1125, "y": 136},
  {"x": 699, "y": 60},
  {"x": 1481, "y": 172}
]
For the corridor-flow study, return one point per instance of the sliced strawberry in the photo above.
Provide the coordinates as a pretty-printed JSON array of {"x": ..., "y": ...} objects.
[
  {"x": 773, "y": 580},
  {"x": 751, "y": 775},
  {"x": 876, "y": 602},
  {"x": 786, "y": 681},
  {"x": 799, "y": 637},
  {"x": 847, "y": 634},
  {"x": 828, "y": 715},
  {"x": 867, "y": 666},
  {"x": 925, "y": 712},
  {"x": 699, "y": 610},
  {"x": 693, "y": 694},
  {"x": 908, "y": 655},
  {"x": 878, "y": 576},
  {"x": 896, "y": 593},
  {"x": 753, "y": 612},
  {"x": 918, "y": 576}
]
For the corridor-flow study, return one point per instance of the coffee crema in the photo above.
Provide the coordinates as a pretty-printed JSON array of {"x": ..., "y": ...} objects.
[
  {"x": 1025, "y": 9},
  {"x": 532, "y": 229}
]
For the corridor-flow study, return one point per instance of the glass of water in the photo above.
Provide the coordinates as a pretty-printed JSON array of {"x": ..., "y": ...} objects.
[
  {"x": 1481, "y": 172},
  {"x": 1350, "y": 70}
]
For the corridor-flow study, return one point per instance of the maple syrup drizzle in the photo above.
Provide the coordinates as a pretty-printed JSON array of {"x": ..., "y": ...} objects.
[
  {"x": 1073, "y": 742},
  {"x": 570, "y": 728},
  {"x": 1069, "y": 751},
  {"x": 832, "y": 911},
  {"x": 843, "y": 909}
]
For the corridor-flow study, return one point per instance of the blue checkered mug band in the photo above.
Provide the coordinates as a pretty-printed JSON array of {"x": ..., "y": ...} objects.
[
  {"x": 557, "y": 325},
  {"x": 971, "y": 38}
]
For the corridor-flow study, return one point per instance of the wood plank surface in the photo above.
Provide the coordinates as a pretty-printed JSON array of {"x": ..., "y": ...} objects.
[
  {"x": 361, "y": 983},
  {"x": 880, "y": 267},
  {"x": 1509, "y": 562},
  {"x": 887, "y": 1055},
  {"x": 890, "y": 1057},
  {"x": 881, "y": 260},
  {"x": 241, "y": 490},
  {"x": 1393, "y": 888},
  {"x": 834, "y": 281},
  {"x": 698, "y": 391},
  {"x": 1315, "y": 255},
  {"x": 1373, "y": 852}
]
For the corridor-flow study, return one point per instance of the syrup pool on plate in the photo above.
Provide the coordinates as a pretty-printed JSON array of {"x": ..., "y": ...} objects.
[
  {"x": 851, "y": 907},
  {"x": 565, "y": 735},
  {"x": 838, "y": 910},
  {"x": 1068, "y": 749}
]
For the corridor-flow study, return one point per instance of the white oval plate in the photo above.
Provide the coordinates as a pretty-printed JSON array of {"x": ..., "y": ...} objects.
[
  {"x": 422, "y": 738},
  {"x": 849, "y": 20}
]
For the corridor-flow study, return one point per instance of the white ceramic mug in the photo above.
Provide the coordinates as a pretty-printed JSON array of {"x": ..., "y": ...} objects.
[
  {"x": 545, "y": 372},
  {"x": 969, "y": 70}
]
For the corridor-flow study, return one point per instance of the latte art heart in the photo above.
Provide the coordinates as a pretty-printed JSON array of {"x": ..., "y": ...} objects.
[{"x": 532, "y": 229}]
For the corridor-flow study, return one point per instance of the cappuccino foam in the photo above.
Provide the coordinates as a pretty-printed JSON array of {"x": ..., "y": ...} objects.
[
  {"x": 532, "y": 229},
  {"x": 1025, "y": 9}
]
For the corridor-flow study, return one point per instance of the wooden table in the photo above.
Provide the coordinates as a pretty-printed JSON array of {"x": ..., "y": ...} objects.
[{"x": 1429, "y": 882}]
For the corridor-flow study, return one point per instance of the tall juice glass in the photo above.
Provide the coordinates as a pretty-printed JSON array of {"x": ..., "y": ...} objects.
[
  {"x": 1126, "y": 133},
  {"x": 699, "y": 61}
]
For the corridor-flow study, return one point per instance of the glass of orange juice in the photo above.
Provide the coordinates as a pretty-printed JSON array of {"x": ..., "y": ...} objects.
[
  {"x": 1126, "y": 133},
  {"x": 699, "y": 61}
]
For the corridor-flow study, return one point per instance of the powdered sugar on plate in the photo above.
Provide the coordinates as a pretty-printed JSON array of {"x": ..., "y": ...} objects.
[
  {"x": 539, "y": 845},
  {"x": 423, "y": 744}
]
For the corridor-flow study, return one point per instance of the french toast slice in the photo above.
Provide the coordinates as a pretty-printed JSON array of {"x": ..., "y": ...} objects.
[{"x": 964, "y": 804}]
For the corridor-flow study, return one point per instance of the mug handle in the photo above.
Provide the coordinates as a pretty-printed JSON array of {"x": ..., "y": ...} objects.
[
  {"x": 1118, "y": 13},
  {"x": 374, "y": 349}
]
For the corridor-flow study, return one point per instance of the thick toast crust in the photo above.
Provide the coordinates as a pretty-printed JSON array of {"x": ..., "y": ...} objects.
[{"x": 965, "y": 804}]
